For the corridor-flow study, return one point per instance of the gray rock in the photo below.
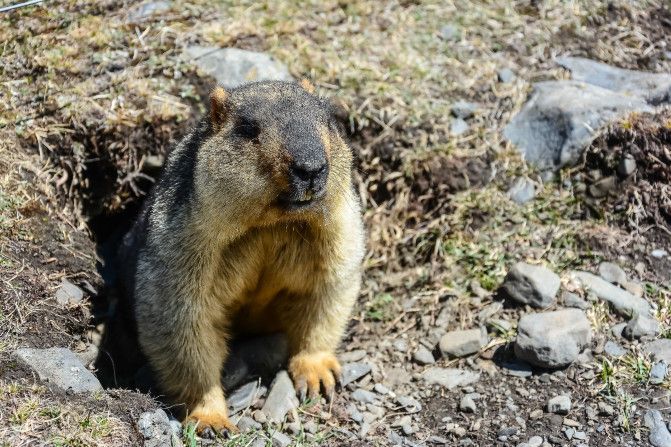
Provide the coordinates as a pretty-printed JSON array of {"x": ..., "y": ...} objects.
[
  {"x": 352, "y": 356},
  {"x": 522, "y": 190},
  {"x": 450, "y": 32},
  {"x": 364, "y": 429},
  {"x": 634, "y": 288},
  {"x": 450, "y": 377},
  {"x": 458, "y": 127},
  {"x": 573, "y": 300},
  {"x": 400, "y": 345},
  {"x": 534, "y": 285},
  {"x": 552, "y": 339},
  {"x": 617, "y": 329},
  {"x": 489, "y": 311},
  {"x": 659, "y": 253},
  {"x": 612, "y": 349},
  {"x": 60, "y": 368},
  {"x": 354, "y": 413},
  {"x": 605, "y": 409},
  {"x": 641, "y": 326},
  {"x": 601, "y": 188},
  {"x": 232, "y": 67},
  {"x": 517, "y": 368},
  {"x": 658, "y": 372},
  {"x": 279, "y": 439},
  {"x": 423, "y": 356},
  {"x": 68, "y": 294},
  {"x": 500, "y": 325},
  {"x": 403, "y": 420},
  {"x": 612, "y": 273},
  {"x": 381, "y": 389},
  {"x": 535, "y": 441},
  {"x": 354, "y": 371},
  {"x": 467, "y": 404},
  {"x": 655, "y": 88},
  {"x": 281, "y": 398},
  {"x": 311, "y": 427},
  {"x": 364, "y": 396},
  {"x": 462, "y": 343},
  {"x": 155, "y": 428},
  {"x": 506, "y": 75},
  {"x": 464, "y": 109},
  {"x": 659, "y": 435},
  {"x": 394, "y": 438},
  {"x": 244, "y": 397},
  {"x": 176, "y": 427},
  {"x": 146, "y": 10},
  {"x": 659, "y": 349},
  {"x": 409, "y": 404},
  {"x": 559, "y": 404},
  {"x": 560, "y": 120},
  {"x": 246, "y": 424},
  {"x": 622, "y": 301},
  {"x": 407, "y": 429},
  {"x": 626, "y": 166}
]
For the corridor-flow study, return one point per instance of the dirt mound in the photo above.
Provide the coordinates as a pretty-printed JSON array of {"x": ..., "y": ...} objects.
[{"x": 628, "y": 171}]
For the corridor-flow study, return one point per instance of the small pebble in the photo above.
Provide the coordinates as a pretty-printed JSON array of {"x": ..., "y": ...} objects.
[
  {"x": 423, "y": 356},
  {"x": 559, "y": 404},
  {"x": 605, "y": 409},
  {"x": 658, "y": 372},
  {"x": 506, "y": 75},
  {"x": 659, "y": 253},
  {"x": 613, "y": 349},
  {"x": 467, "y": 404}
]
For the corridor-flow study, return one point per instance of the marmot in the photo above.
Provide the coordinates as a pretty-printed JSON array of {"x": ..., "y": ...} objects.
[{"x": 252, "y": 227}]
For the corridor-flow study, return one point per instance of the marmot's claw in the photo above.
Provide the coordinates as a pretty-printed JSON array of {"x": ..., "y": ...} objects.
[
  {"x": 207, "y": 433},
  {"x": 301, "y": 390},
  {"x": 338, "y": 379},
  {"x": 311, "y": 371},
  {"x": 208, "y": 424}
]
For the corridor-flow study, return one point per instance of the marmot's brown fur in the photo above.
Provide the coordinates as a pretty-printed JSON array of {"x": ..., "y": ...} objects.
[{"x": 253, "y": 227}]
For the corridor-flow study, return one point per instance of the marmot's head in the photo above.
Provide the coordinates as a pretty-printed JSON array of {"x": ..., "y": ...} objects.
[{"x": 276, "y": 149}]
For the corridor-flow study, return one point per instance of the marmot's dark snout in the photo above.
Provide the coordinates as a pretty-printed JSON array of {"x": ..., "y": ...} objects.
[{"x": 307, "y": 171}]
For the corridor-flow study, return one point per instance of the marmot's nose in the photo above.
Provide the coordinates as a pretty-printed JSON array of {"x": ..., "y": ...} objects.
[{"x": 311, "y": 174}]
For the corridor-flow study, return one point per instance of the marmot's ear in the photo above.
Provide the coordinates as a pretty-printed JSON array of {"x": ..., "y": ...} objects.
[
  {"x": 307, "y": 86},
  {"x": 338, "y": 110},
  {"x": 218, "y": 107}
]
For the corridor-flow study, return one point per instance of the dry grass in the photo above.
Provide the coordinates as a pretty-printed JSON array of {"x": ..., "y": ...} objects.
[{"x": 31, "y": 415}]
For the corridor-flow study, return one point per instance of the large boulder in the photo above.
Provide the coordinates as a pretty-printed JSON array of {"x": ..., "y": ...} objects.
[
  {"x": 552, "y": 339},
  {"x": 232, "y": 67},
  {"x": 655, "y": 88},
  {"x": 561, "y": 118},
  {"x": 60, "y": 368}
]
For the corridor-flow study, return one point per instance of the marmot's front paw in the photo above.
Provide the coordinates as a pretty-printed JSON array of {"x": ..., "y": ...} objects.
[
  {"x": 209, "y": 422},
  {"x": 309, "y": 370}
]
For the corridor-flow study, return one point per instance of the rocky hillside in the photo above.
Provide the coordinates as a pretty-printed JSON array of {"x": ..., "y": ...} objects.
[{"x": 514, "y": 163}]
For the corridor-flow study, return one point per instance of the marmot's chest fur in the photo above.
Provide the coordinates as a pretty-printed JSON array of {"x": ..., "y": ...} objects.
[{"x": 268, "y": 266}]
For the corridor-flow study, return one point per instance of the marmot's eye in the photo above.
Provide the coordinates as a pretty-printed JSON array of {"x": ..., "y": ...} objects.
[{"x": 246, "y": 128}]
